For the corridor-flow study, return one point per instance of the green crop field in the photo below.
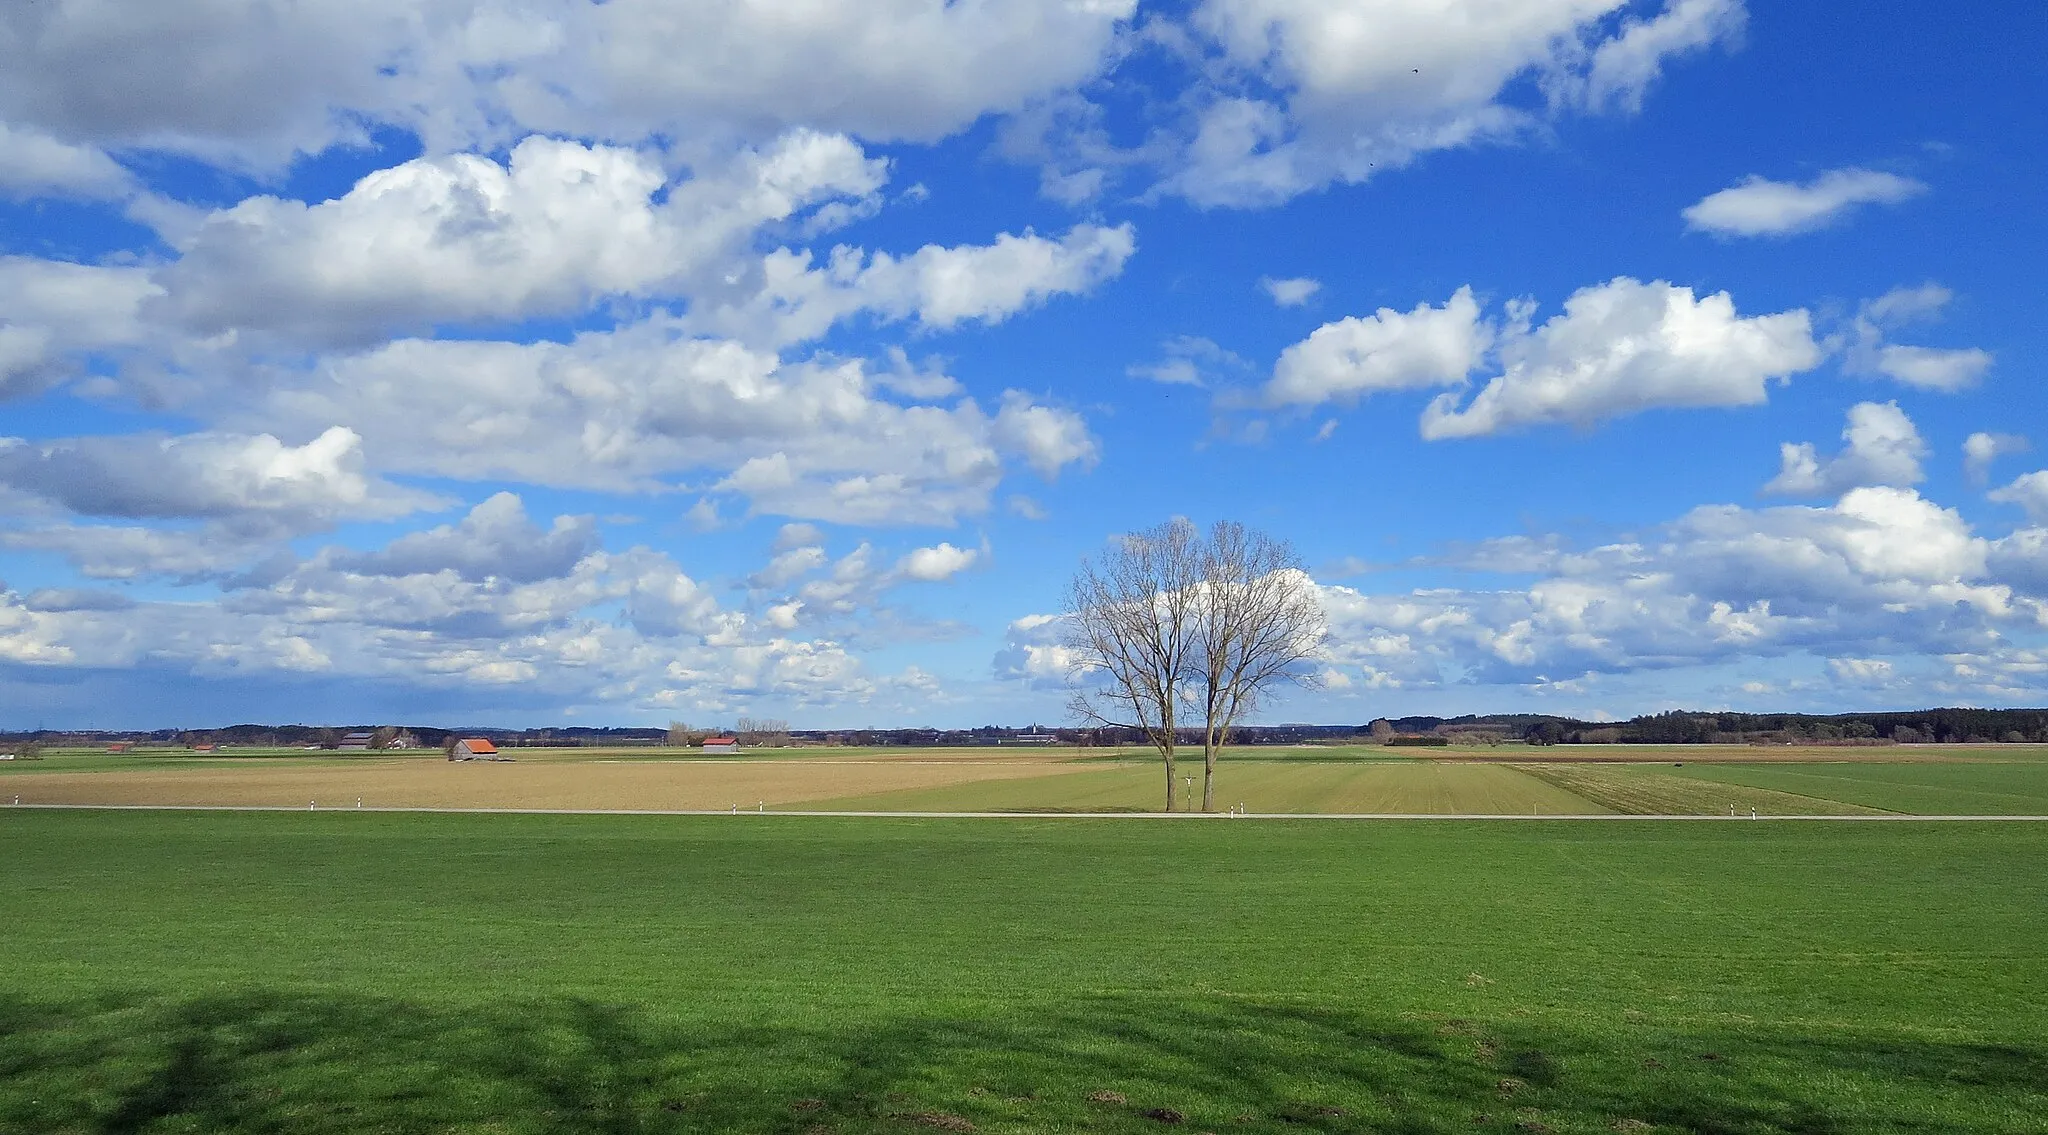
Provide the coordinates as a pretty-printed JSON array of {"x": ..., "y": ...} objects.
[
  {"x": 337, "y": 972},
  {"x": 1427, "y": 785},
  {"x": 2002, "y": 789},
  {"x": 1674, "y": 790},
  {"x": 97, "y": 761},
  {"x": 1278, "y": 780},
  {"x": 1262, "y": 786}
]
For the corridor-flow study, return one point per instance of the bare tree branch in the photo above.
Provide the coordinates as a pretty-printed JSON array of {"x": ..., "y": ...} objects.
[
  {"x": 1130, "y": 633},
  {"x": 1258, "y": 622}
]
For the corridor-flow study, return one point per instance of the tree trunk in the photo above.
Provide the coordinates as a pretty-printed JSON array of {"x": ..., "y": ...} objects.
[
  {"x": 1168, "y": 753},
  {"x": 1209, "y": 748}
]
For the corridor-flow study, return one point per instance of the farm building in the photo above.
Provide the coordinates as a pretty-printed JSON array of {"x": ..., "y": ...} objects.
[
  {"x": 721, "y": 744},
  {"x": 357, "y": 741},
  {"x": 119, "y": 746},
  {"x": 473, "y": 749}
]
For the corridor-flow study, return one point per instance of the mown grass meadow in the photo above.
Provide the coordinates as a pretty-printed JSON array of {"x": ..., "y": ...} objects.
[{"x": 352, "y": 972}]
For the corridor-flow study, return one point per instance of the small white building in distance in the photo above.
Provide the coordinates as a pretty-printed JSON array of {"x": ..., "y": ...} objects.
[
  {"x": 721, "y": 744},
  {"x": 473, "y": 749}
]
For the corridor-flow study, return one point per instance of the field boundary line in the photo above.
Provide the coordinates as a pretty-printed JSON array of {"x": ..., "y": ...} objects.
[{"x": 1605, "y": 817}]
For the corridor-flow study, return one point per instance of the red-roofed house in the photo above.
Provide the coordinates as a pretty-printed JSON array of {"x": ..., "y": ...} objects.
[
  {"x": 721, "y": 744},
  {"x": 473, "y": 749}
]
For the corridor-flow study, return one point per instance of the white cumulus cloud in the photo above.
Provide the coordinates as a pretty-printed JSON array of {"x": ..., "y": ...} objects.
[
  {"x": 1624, "y": 347},
  {"x": 33, "y": 164},
  {"x": 1350, "y": 89},
  {"x": 1293, "y": 291},
  {"x": 938, "y": 286},
  {"x": 52, "y": 311},
  {"x": 1980, "y": 449},
  {"x": 2029, "y": 491},
  {"x": 1929, "y": 368},
  {"x": 1883, "y": 448},
  {"x": 939, "y": 562},
  {"x": 1187, "y": 360},
  {"x": 621, "y": 410},
  {"x": 202, "y": 77},
  {"x": 1882, "y": 571},
  {"x": 1388, "y": 350},
  {"x": 254, "y": 479},
  {"x": 496, "y": 540},
  {"x": 1757, "y": 206},
  {"x": 1032, "y": 653},
  {"x": 464, "y": 239}
]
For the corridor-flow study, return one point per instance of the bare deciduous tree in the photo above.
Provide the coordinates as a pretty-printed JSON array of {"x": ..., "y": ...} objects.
[
  {"x": 1171, "y": 625},
  {"x": 1130, "y": 634},
  {"x": 1258, "y": 622},
  {"x": 772, "y": 732}
]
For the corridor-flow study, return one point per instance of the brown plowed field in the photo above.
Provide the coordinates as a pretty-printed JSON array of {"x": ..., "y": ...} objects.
[{"x": 433, "y": 783}]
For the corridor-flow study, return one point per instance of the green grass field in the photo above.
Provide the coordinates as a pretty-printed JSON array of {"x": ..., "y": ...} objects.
[{"x": 331, "y": 972}]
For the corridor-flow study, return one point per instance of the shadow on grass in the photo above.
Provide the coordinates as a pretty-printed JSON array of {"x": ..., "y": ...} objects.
[{"x": 275, "y": 1062}]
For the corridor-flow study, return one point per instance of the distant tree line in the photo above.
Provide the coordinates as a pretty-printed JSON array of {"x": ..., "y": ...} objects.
[
  {"x": 1680, "y": 727},
  {"x": 329, "y": 736},
  {"x": 1677, "y": 727},
  {"x": 750, "y": 732}
]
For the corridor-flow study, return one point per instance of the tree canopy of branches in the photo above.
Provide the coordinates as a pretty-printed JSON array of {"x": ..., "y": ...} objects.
[
  {"x": 762, "y": 731},
  {"x": 1258, "y": 622},
  {"x": 1172, "y": 625},
  {"x": 1130, "y": 634}
]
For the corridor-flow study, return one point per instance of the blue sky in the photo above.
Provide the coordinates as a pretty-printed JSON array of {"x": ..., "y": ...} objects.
[{"x": 529, "y": 361}]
